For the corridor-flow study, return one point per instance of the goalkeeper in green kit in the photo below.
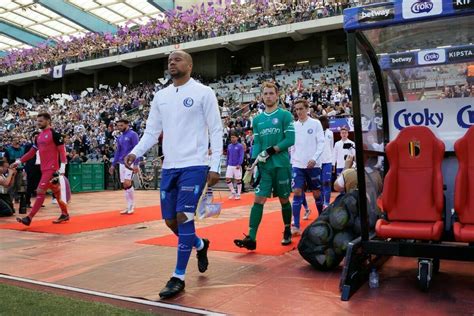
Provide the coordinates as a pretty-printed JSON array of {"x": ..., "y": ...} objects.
[{"x": 273, "y": 133}]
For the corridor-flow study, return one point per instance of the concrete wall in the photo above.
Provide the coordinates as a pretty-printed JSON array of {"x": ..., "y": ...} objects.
[
  {"x": 79, "y": 82},
  {"x": 149, "y": 71},
  {"x": 213, "y": 63}
]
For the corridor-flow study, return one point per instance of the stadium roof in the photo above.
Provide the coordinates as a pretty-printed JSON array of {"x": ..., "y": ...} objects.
[{"x": 25, "y": 23}]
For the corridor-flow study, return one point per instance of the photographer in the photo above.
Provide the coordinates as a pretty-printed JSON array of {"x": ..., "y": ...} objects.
[
  {"x": 342, "y": 149},
  {"x": 12, "y": 153},
  {"x": 7, "y": 177},
  {"x": 347, "y": 182}
]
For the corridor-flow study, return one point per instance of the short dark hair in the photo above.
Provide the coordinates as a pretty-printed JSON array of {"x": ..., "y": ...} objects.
[
  {"x": 124, "y": 121},
  {"x": 45, "y": 115}
]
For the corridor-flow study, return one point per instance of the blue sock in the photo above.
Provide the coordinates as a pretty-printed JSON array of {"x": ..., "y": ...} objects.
[
  {"x": 186, "y": 240},
  {"x": 198, "y": 243},
  {"x": 304, "y": 203},
  {"x": 297, "y": 200},
  {"x": 326, "y": 193}
]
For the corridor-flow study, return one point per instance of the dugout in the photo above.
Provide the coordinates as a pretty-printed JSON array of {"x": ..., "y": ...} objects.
[{"x": 409, "y": 62}]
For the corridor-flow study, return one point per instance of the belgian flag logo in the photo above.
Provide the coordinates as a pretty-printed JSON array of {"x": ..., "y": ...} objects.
[{"x": 414, "y": 148}]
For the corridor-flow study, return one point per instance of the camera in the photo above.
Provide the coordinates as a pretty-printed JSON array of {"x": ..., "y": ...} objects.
[{"x": 347, "y": 146}]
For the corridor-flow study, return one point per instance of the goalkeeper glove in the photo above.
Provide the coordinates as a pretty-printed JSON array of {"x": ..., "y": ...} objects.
[{"x": 264, "y": 155}]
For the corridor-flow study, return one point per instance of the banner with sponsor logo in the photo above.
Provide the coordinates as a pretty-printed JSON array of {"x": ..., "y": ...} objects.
[
  {"x": 403, "y": 11},
  {"x": 427, "y": 57},
  {"x": 463, "y": 4},
  {"x": 368, "y": 124},
  {"x": 380, "y": 13},
  {"x": 449, "y": 119}
]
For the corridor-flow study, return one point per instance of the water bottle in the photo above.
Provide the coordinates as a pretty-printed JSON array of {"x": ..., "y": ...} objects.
[{"x": 373, "y": 279}]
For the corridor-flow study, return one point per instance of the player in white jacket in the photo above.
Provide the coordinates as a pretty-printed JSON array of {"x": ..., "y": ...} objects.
[
  {"x": 188, "y": 114},
  {"x": 306, "y": 160},
  {"x": 326, "y": 161}
]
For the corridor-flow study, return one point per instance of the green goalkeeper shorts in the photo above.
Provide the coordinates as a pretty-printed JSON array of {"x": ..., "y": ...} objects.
[{"x": 274, "y": 180}]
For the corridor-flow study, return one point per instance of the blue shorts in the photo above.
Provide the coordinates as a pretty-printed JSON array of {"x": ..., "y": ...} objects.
[
  {"x": 181, "y": 189},
  {"x": 310, "y": 176}
]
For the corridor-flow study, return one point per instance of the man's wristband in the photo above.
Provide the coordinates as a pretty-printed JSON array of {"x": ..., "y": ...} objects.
[{"x": 270, "y": 150}]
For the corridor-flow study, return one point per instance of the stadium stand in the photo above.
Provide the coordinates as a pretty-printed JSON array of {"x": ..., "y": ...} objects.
[{"x": 178, "y": 26}]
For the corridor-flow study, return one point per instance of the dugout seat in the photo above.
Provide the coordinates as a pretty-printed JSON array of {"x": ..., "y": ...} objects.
[
  {"x": 413, "y": 187},
  {"x": 464, "y": 188}
]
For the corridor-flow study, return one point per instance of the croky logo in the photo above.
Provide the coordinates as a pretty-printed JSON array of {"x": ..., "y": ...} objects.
[
  {"x": 404, "y": 118},
  {"x": 465, "y": 117},
  {"x": 431, "y": 57},
  {"x": 412, "y": 9},
  {"x": 422, "y": 6}
]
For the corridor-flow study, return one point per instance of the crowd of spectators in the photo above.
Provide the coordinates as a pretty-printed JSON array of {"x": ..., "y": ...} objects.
[
  {"x": 177, "y": 26},
  {"x": 86, "y": 120},
  {"x": 457, "y": 91}
]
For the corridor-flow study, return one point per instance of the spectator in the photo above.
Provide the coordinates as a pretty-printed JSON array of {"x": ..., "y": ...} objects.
[
  {"x": 12, "y": 153},
  {"x": 7, "y": 178}
]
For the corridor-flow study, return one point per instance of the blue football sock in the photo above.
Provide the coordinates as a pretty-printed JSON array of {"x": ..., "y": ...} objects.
[
  {"x": 198, "y": 243},
  {"x": 186, "y": 240},
  {"x": 297, "y": 200},
  {"x": 304, "y": 203}
]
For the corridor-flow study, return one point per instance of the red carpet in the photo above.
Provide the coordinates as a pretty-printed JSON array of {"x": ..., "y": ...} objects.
[
  {"x": 110, "y": 219},
  {"x": 90, "y": 222},
  {"x": 222, "y": 235}
]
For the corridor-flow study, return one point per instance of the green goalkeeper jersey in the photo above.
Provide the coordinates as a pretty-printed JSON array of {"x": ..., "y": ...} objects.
[{"x": 274, "y": 129}]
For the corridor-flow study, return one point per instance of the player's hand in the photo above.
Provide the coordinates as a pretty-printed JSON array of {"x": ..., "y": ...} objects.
[
  {"x": 15, "y": 164},
  {"x": 135, "y": 169},
  {"x": 111, "y": 170},
  {"x": 237, "y": 167},
  {"x": 311, "y": 164},
  {"x": 212, "y": 178},
  {"x": 129, "y": 160},
  {"x": 12, "y": 170},
  {"x": 263, "y": 156}
]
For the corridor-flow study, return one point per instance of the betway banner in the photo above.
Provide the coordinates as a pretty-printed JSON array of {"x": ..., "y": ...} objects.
[
  {"x": 449, "y": 55},
  {"x": 449, "y": 119}
]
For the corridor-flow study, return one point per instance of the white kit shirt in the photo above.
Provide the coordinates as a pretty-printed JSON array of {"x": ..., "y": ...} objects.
[
  {"x": 309, "y": 143},
  {"x": 326, "y": 157},
  {"x": 189, "y": 117}
]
